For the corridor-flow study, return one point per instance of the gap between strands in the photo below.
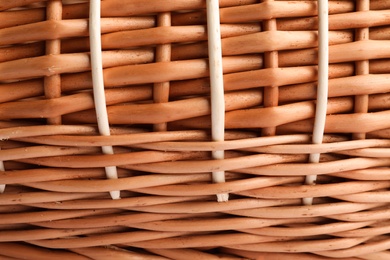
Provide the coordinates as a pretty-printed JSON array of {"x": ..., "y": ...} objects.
[
  {"x": 322, "y": 88},
  {"x": 217, "y": 88},
  {"x": 98, "y": 85}
]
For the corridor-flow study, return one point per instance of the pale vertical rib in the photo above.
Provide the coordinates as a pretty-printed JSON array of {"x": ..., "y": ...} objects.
[
  {"x": 322, "y": 89},
  {"x": 98, "y": 85},
  {"x": 217, "y": 89}
]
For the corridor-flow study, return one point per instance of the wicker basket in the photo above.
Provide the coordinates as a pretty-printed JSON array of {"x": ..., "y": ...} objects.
[{"x": 192, "y": 129}]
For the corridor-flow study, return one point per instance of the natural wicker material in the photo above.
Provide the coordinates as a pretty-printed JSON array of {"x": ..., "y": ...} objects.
[{"x": 56, "y": 201}]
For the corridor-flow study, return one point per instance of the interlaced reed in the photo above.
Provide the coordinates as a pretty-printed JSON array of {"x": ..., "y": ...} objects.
[{"x": 56, "y": 201}]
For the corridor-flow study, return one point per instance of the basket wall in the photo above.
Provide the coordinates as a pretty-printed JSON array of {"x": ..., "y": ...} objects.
[{"x": 56, "y": 200}]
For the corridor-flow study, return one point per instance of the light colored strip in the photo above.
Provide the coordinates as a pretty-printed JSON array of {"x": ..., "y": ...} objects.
[
  {"x": 98, "y": 85},
  {"x": 2, "y": 169},
  {"x": 217, "y": 89},
  {"x": 322, "y": 89}
]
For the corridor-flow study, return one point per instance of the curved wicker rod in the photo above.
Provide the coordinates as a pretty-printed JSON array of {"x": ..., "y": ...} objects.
[
  {"x": 125, "y": 203},
  {"x": 265, "y": 11},
  {"x": 379, "y": 228},
  {"x": 24, "y": 131},
  {"x": 142, "y": 238},
  {"x": 128, "y": 37},
  {"x": 105, "y": 239},
  {"x": 111, "y": 252},
  {"x": 381, "y": 255},
  {"x": 209, "y": 206},
  {"x": 339, "y": 209},
  {"x": 251, "y": 165},
  {"x": 342, "y": 21},
  {"x": 50, "y": 215},
  {"x": 323, "y": 190},
  {"x": 382, "y": 134},
  {"x": 42, "y": 151},
  {"x": 338, "y": 87},
  {"x": 298, "y": 169},
  {"x": 81, "y": 44},
  {"x": 234, "y": 206},
  {"x": 275, "y": 256},
  {"x": 47, "y": 30},
  {"x": 359, "y": 250},
  {"x": 160, "y": 180},
  {"x": 199, "y": 50},
  {"x": 43, "y": 66},
  {"x": 82, "y": 81},
  {"x": 85, "y": 140},
  {"x": 181, "y": 109},
  {"x": 132, "y": 8},
  {"x": 23, "y": 251},
  {"x": 140, "y": 56},
  {"x": 368, "y": 152},
  {"x": 77, "y": 11},
  {"x": 208, "y": 224},
  {"x": 210, "y": 240},
  {"x": 37, "y": 175},
  {"x": 180, "y": 52},
  {"x": 82, "y": 101},
  {"x": 38, "y": 197},
  {"x": 141, "y": 74},
  {"x": 381, "y": 214},
  {"x": 304, "y": 246},
  {"x": 364, "y": 123},
  {"x": 189, "y": 4},
  {"x": 137, "y": 160},
  {"x": 372, "y": 174},
  {"x": 341, "y": 229},
  {"x": 366, "y": 197},
  {"x": 124, "y": 138},
  {"x": 38, "y": 234},
  {"x": 341, "y": 17},
  {"x": 125, "y": 183},
  {"x": 116, "y": 219},
  {"x": 267, "y": 191},
  {"x": 195, "y": 108},
  {"x": 14, "y": 208},
  {"x": 322, "y": 89},
  {"x": 66, "y": 63},
  {"x": 157, "y": 139},
  {"x": 98, "y": 85},
  {"x": 232, "y": 35},
  {"x": 36, "y": 15},
  {"x": 190, "y": 253},
  {"x": 288, "y": 120},
  {"x": 19, "y": 17},
  {"x": 261, "y": 146},
  {"x": 113, "y": 96}
]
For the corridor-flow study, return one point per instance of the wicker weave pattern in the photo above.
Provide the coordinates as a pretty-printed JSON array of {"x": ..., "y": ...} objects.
[{"x": 56, "y": 201}]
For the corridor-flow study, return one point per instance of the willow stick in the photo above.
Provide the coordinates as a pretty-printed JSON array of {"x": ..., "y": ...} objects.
[
  {"x": 98, "y": 86},
  {"x": 217, "y": 89},
  {"x": 322, "y": 89}
]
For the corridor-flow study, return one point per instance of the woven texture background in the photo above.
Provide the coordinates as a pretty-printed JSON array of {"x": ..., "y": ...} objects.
[{"x": 56, "y": 201}]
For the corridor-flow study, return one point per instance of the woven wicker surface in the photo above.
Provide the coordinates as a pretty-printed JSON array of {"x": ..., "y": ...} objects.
[{"x": 56, "y": 201}]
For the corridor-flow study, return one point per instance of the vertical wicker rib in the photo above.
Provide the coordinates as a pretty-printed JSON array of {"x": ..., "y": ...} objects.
[{"x": 155, "y": 60}]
